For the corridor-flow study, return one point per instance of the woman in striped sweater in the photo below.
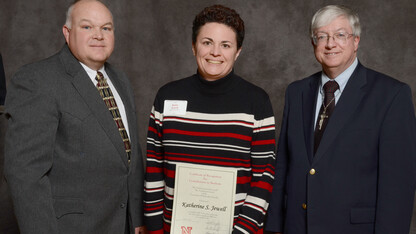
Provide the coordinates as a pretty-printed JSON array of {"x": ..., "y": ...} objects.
[{"x": 215, "y": 118}]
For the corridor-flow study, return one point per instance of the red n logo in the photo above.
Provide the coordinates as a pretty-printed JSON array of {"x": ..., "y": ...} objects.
[{"x": 186, "y": 230}]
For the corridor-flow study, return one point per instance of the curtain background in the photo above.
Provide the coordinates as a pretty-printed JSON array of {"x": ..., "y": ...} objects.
[{"x": 153, "y": 46}]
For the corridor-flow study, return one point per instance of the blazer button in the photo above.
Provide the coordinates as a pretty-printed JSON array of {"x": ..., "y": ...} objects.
[
  {"x": 304, "y": 206},
  {"x": 312, "y": 171},
  {"x": 122, "y": 205}
]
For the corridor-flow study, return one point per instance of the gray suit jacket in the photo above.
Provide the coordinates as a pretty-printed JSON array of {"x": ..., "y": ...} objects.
[{"x": 65, "y": 161}]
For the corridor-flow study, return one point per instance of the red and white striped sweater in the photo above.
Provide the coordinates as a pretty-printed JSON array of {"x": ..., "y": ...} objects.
[{"x": 229, "y": 123}]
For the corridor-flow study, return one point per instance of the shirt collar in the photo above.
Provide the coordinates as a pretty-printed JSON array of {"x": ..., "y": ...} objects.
[
  {"x": 342, "y": 78},
  {"x": 92, "y": 73}
]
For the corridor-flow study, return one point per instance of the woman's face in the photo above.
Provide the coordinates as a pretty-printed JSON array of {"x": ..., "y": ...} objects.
[{"x": 215, "y": 50}]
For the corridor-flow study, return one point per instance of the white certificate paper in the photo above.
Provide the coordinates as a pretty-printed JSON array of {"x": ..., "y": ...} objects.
[{"x": 204, "y": 199}]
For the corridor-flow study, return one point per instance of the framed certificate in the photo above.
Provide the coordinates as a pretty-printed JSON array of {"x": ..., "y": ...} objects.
[{"x": 204, "y": 199}]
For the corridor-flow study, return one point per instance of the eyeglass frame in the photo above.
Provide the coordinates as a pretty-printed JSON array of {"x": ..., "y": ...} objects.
[{"x": 334, "y": 37}]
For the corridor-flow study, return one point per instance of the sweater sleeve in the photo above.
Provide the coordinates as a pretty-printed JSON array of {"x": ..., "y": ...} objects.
[
  {"x": 253, "y": 211},
  {"x": 154, "y": 178}
]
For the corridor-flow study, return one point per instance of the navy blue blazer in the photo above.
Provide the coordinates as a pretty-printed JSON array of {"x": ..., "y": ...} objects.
[{"x": 362, "y": 177}]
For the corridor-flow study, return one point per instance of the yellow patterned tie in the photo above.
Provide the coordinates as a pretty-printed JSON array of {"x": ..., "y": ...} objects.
[{"x": 109, "y": 100}]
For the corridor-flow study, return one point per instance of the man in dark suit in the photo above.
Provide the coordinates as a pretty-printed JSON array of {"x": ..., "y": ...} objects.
[
  {"x": 70, "y": 167},
  {"x": 7, "y": 220},
  {"x": 2, "y": 85},
  {"x": 347, "y": 150}
]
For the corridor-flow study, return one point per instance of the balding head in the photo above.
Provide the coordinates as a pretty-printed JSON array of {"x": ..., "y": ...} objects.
[{"x": 89, "y": 32}]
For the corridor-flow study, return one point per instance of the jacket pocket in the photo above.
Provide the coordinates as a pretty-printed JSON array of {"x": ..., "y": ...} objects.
[
  {"x": 64, "y": 206},
  {"x": 363, "y": 215}
]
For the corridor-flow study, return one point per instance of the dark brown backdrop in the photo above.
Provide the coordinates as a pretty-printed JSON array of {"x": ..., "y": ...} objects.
[{"x": 153, "y": 45}]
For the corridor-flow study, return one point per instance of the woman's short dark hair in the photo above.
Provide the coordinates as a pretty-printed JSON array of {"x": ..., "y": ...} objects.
[{"x": 219, "y": 14}]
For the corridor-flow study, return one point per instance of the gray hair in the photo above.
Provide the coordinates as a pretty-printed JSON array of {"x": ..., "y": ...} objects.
[
  {"x": 325, "y": 15},
  {"x": 68, "y": 21}
]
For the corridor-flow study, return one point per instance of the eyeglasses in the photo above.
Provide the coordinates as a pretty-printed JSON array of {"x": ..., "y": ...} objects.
[{"x": 322, "y": 38}]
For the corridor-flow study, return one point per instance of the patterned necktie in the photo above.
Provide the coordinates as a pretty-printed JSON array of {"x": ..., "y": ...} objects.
[
  {"x": 325, "y": 112},
  {"x": 109, "y": 100}
]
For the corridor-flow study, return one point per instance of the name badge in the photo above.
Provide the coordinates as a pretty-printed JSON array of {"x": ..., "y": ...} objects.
[{"x": 175, "y": 107}]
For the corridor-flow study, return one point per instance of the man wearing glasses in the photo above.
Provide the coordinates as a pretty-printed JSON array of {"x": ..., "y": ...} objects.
[{"x": 346, "y": 159}]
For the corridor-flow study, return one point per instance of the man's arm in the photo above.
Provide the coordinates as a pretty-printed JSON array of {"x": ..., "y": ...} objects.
[
  {"x": 136, "y": 189},
  {"x": 136, "y": 178},
  {"x": 2, "y": 85},
  {"x": 29, "y": 145},
  {"x": 275, "y": 220},
  {"x": 397, "y": 165}
]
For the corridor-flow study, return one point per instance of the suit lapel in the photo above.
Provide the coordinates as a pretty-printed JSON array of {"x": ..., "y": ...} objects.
[
  {"x": 308, "y": 106},
  {"x": 345, "y": 107},
  {"x": 92, "y": 98}
]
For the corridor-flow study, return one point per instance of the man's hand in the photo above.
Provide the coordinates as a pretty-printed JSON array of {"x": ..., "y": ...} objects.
[{"x": 141, "y": 230}]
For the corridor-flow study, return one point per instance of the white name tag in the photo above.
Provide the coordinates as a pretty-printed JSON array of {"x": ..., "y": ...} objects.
[{"x": 175, "y": 107}]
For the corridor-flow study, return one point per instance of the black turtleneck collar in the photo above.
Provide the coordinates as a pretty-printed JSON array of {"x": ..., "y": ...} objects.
[{"x": 219, "y": 86}]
